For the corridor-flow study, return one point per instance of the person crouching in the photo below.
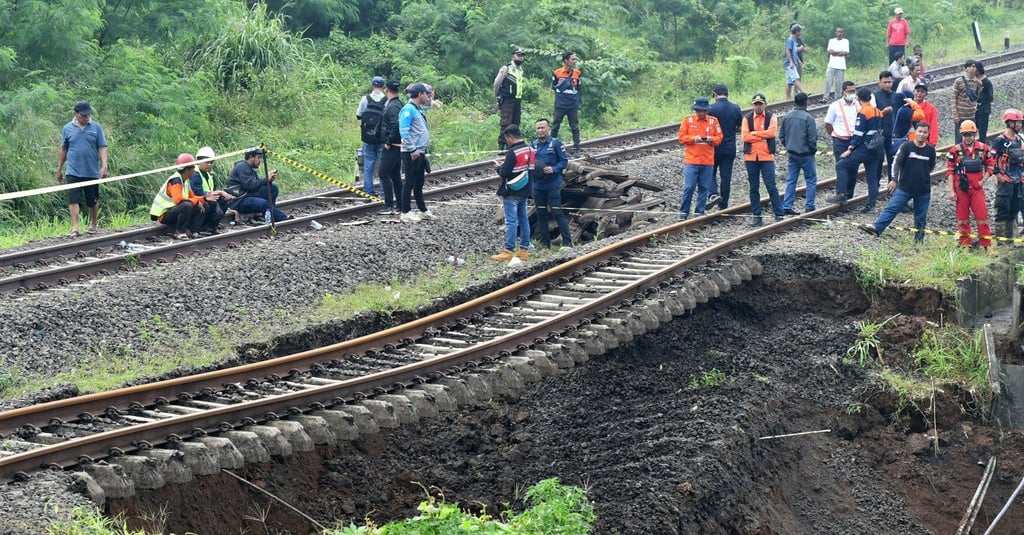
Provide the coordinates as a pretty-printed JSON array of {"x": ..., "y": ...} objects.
[
  {"x": 515, "y": 190},
  {"x": 176, "y": 205}
]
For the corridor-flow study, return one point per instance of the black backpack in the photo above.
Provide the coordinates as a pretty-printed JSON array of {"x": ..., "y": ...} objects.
[{"x": 372, "y": 128}]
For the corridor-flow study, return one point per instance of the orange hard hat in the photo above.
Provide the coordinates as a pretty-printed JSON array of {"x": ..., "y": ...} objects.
[{"x": 968, "y": 126}]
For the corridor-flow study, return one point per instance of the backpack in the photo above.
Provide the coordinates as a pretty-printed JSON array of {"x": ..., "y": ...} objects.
[{"x": 372, "y": 128}]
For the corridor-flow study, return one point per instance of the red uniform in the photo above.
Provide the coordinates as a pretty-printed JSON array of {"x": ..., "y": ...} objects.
[{"x": 966, "y": 166}]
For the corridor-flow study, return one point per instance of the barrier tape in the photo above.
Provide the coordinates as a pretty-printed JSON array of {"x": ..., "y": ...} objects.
[
  {"x": 62, "y": 187},
  {"x": 322, "y": 176}
]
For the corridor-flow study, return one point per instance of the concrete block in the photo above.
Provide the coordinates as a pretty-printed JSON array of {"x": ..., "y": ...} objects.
[
  {"x": 458, "y": 390},
  {"x": 423, "y": 401},
  {"x": 273, "y": 439},
  {"x": 247, "y": 443},
  {"x": 442, "y": 397},
  {"x": 171, "y": 463},
  {"x": 480, "y": 387},
  {"x": 558, "y": 355},
  {"x": 603, "y": 333},
  {"x": 405, "y": 410},
  {"x": 342, "y": 424},
  {"x": 228, "y": 456},
  {"x": 540, "y": 361},
  {"x": 201, "y": 460},
  {"x": 382, "y": 411},
  {"x": 144, "y": 471},
  {"x": 525, "y": 368},
  {"x": 319, "y": 431},
  {"x": 93, "y": 490},
  {"x": 742, "y": 270},
  {"x": 112, "y": 478},
  {"x": 365, "y": 422},
  {"x": 730, "y": 275}
]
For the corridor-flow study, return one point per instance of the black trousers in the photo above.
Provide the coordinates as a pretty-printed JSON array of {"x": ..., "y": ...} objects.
[{"x": 390, "y": 170}]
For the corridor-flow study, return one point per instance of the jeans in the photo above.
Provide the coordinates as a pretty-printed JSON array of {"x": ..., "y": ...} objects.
[
  {"x": 899, "y": 199},
  {"x": 574, "y": 124},
  {"x": 796, "y": 163},
  {"x": 371, "y": 155},
  {"x": 550, "y": 201},
  {"x": 415, "y": 171},
  {"x": 723, "y": 169},
  {"x": 390, "y": 171},
  {"x": 756, "y": 171},
  {"x": 692, "y": 176},
  {"x": 257, "y": 203},
  {"x": 516, "y": 222},
  {"x": 872, "y": 172}
]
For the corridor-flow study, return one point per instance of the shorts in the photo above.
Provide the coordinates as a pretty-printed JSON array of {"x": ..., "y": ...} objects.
[
  {"x": 92, "y": 193},
  {"x": 792, "y": 75}
]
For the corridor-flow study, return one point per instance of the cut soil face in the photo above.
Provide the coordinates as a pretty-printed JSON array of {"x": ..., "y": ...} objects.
[{"x": 659, "y": 448}]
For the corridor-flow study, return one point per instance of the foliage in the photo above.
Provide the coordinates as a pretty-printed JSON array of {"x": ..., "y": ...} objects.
[
  {"x": 954, "y": 355},
  {"x": 868, "y": 342},
  {"x": 935, "y": 264},
  {"x": 551, "y": 508},
  {"x": 88, "y": 521},
  {"x": 710, "y": 378}
]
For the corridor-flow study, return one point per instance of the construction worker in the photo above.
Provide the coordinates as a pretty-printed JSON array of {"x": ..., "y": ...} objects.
[
  {"x": 966, "y": 166},
  {"x": 1008, "y": 152},
  {"x": 175, "y": 204}
]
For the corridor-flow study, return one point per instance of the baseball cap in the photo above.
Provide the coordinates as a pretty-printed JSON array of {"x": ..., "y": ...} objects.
[
  {"x": 758, "y": 98},
  {"x": 518, "y": 52},
  {"x": 921, "y": 85},
  {"x": 253, "y": 150},
  {"x": 700, "y": 104},
  {"x": 898, "y": 11},
  {"x": 393, "y": 85},
  {"x": 83, "y": 108},
  {"x": 417, "y": 88},
  {"x": 796, "y": 28},
  {"x": 377, "y": 81}
]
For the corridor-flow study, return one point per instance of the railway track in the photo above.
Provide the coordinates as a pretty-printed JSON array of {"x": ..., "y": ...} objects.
[
  {"x": 149, "y": 435},
  {"x": 61, "y": 264}
]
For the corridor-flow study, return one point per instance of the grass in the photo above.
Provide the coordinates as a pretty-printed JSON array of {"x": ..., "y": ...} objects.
[
  {"x": 113, "y": 364},
  {"x": 868, "y": 342},
  {"x": 937, "y": 263},
  {"x": 710, "y": 378}
]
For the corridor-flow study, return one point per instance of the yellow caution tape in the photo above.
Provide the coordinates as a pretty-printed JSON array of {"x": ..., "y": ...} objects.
[{"x": 323, "y": 176}]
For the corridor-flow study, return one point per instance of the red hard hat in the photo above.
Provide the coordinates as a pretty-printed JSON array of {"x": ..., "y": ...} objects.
[
  {"x": 184, "y": 159},
  {"x": 1013, "y": 114}
]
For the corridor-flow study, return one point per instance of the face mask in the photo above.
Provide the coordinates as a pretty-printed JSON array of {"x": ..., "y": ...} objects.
[
  {"x": 517, "y": 62},
  {"x": 850, "y": 97},
  {"x": 426, "y": 105}
]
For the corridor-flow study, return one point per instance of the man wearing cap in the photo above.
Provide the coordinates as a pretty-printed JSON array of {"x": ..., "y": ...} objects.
[
  {"x": 390, "y": 167},
  {"x": 203, "y": 185},
  {"x": 793, "y": 62},
  {"x": 508, "y": 89},
  {"x": 759, "y": 128},
  {"x": 412, "y": 126},
  {"x": 175, "y": 204},
  {"x": 370, "y": 115},
  {"x": 699, "y": 134},
  {"x": 566, "y": 83},
  {"x": 83, "y": 148},
  {"x": 931, "y": 115},
  {"x": 838, "y": 48},
  {"x": 252, "y": 193},
  {"x": 729, "y": 117},
  {"x": 898, "y": 33},
  {"x": 799, "y": 134}
]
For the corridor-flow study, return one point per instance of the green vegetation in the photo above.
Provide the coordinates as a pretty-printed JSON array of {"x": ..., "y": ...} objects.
[
  {"x": 167, "y": 77},
  {"x": 110, "y": 364},
  {"x": 868, "y": 342},
  {"x": 955, "y": 355},
  {"x": 938, "y": 263},
  {"x": 710, "y": 378},
  {"x": 87, "y": 521},
  {"x": 551, "y": 508}
]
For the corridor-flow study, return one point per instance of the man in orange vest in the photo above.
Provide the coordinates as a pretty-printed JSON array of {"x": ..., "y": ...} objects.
[
  {"x": 566, "y": 83},
  {"x": 758, "y": 129},
  {"x": 699, "y": 134}
]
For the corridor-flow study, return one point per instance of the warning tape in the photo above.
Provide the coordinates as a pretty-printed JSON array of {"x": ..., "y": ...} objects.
[
  {"x": 322, "y": 176},
  {"x": 76, "y": 185},
  {"x": 949, "y": 233}
]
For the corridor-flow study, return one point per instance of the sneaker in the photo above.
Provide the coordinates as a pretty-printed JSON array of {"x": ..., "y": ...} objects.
[
  {"x": 387, "y": 210},
  {"x": 867, "y": 209},
  {"x": 790, "y": 211},
  {"x": 428, "y": 216},
  {"x": 757, "y": 221},
  {"x": 838, "y": 198},
  {"x": 870, "y": 229},
  {"x": 713, "y": 200},
  {"x": 410, "y": 217},
  {"x": 523, "y": 254},
  {"x": 503, "y": 256}
]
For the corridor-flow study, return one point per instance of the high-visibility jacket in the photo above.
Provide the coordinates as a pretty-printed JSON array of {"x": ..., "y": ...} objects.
[
  {"x": 566, "y": 83},
  {"x": 511, "y": 85},
  {"x": 759, "y": 137},
  {"x": 171, "y": 193},
  {"x": 700, "y": 153}
]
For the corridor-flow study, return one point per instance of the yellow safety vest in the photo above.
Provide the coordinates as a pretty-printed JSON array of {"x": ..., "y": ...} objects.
[
  {"x": 163, "y": 201},
  {"x": 207, "y": 179}
]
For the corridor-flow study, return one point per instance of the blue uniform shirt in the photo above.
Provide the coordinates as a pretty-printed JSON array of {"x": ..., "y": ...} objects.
[{"x": 83, "y": 145}]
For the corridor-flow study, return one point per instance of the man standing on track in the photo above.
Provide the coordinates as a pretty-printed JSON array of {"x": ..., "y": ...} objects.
[
  {"x": 550, "y": 161},
  {"x": 965, "y": 97},
  {"x": 508, "y": 89},
  {"x": 966, "y": 166},
  {"x": 885, "y": 101},
  {"x": 986, "y": 95},
  {"x": 838, "y": 49},
  {"x": 699, "y": 134},
  {"x": 415, "y": 141},
  {"x": 840, "y": 119},
  {"x": 566, "y": 83},
  {"x": 799, "y": 134},
  {"x": 84, "y": 148},
  {"x": 931, "y": 115},
  {"x": 911, "y": 181},
  {"x": 729, "y": 117},
  {"x": 370, "y": 115},
  {"x": 865, "y": 148},
  {"x": 759, "y": 129},
  {"x": 792, "y": 61},
  {"x": 1008, "y": 153},
  {"x": 898, "y": 32},
  {"x": 390, "y": 168}
]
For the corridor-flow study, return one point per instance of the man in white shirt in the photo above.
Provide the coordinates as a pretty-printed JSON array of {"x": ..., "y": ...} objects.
[
  {"x": 838, "y": 49},
  {"x": 840, "y": 121}
]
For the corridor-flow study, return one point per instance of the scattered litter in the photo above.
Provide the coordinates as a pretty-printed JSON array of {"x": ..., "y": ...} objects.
[
  {"x": 314, "y": 225},
  {"x": 131, "y": 246},
  {"x": 456, "y": 261},
  {"x": 796, "y": 434}
]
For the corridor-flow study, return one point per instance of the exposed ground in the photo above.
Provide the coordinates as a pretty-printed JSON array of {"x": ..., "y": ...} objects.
[{"x": 660, "y": 455}]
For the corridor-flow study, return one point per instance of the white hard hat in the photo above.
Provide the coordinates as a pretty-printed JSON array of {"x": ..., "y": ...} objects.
[{"x": 205, "y": 152}]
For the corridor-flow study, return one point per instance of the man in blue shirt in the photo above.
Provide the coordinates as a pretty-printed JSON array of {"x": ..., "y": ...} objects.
[
  {"x": 550, "y": 160},
  {"x": 83, "y": 148},
  {"x": 412, "y": 126},
  {"x": 729, "y": 116}
]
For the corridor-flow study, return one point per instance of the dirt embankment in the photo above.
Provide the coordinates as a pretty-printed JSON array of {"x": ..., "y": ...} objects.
[{"x": 664, "y": 449}]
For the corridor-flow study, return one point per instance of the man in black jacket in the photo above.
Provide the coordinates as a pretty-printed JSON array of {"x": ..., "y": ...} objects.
[
  {"x": 252, "y": 193},
  {"x": 390, "y": 168},
  {"x": 799, "y": 134}
]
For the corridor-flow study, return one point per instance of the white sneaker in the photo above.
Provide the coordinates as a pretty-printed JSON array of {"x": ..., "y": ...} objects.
[
  {"x": 409, "y": 217},
  {"x": 428, "y": 216}
]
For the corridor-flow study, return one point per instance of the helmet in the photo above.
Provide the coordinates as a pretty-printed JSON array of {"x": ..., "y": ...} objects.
[
  {"x": 205, "y": 153},
  {"x": 968, "y": 126},
  {"x": 184, "y": 159},
  {"x": 1012, "y": 114}
]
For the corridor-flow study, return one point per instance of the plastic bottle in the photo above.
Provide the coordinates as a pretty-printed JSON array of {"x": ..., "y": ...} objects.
[{"x": 266, "y": 216}]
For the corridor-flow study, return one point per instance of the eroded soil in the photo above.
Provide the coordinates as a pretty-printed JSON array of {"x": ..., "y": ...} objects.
[{"x": 661, "y": 453}]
